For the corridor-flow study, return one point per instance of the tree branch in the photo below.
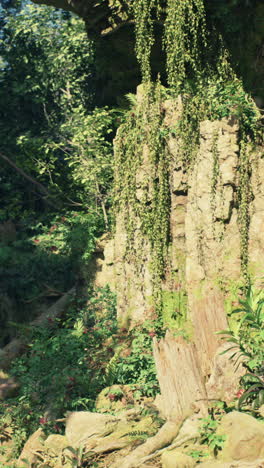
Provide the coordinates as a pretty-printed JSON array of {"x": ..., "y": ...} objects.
[{"x": 26, "y": 176}]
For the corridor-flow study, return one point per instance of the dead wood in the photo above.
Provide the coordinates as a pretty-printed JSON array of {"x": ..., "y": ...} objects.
[
  {"x": 17, "y": 345},
  {"x": 179, "y": 375}
]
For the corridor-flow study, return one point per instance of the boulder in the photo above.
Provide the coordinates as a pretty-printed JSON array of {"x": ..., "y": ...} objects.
[
  {"x": 8, "y": 386},
  {"x": 190, "y": 430},
  {"x": 244, "y": 438},
  {"x": 226, "y": 373},
  {"x": 103, "y": 433},
  {"x": 35, "y": 443},
  {"x": 56, "y": 443},
  {"x": 261, "y": 411},
  {"x": 126, "y": 433},
  {"x": 114, "y": 398},
  {"x": 176, "y": 459},
  {"x": 82, "y": 426},
  {"x": 239, "y": 464}
]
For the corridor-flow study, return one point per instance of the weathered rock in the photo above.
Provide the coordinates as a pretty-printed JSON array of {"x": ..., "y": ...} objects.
[
  {"x": 82, "y": 426},
  {"x": 245, "y": 437},
  {"x": 162, "y": 438},
  {"x": 261, "y": 411},
  {"x": 239, "y": 464},
  {"x": 56, "y": 443},
  {"x": 35, "y": 443},
  {"x": 8, "y": 386},
  {"x": 190, "y": 430},
  {"x": 204, "y": 258},
  {"x": 126, "y": 434},
  {"x": 223, "y": 383},
  {"x": 114, "y": 398},
  {"x": 176, "y": 459},
  {"x": 105, "y": 433},
  {"x": 104, "y": 263}
]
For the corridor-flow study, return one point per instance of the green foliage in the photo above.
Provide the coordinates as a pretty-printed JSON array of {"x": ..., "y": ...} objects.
[
  {"x": 209, "y": 436},
  {"x": 37, "y": 260},
  {"x": 197, "y": 455},
  {"x": 246, "y": 341},
  {"x": 225, "y": 97},
  {"x": 247, "y": 338},
  {"x": 195, "y": 33},
  {"x": 49, "y": 130},
  {"x": 185, "y": 39},
  {"x": 141, "y": 139},
  {"x": 198, "y": 66},
  {"x": 89, "y": 152},
  {"x": 72, "y": 235},
  {"x": 138, "y": 366},
  {"x": 143, "y": 11},
  {"x": 253, "y": 394},
  {"x": 58, "y": 140},
  {"x": 63, "y": 368},
  {"x": 231, "y": 20},
  {"x": 54, "y": 46}
]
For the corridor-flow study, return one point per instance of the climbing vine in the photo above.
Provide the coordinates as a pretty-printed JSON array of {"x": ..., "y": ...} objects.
[
  {"x": 244, "y": 198},
  {"x": 142, "y": 190},
  {"x": 144, "y": 13},
  {"x": 215, "y": 173},
  {"x": 184, "y": 40},
  {"x": 209, "y": 90}
]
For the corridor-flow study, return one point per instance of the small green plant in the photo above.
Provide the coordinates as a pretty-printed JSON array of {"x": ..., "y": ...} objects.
[
  {"x": 247, "y": 338},
  {"x": 138, "y": 367},
  {"x": 209, "y": 435},
  {"x": 77, "y": 456},
  {"x": 246, "y": 342},
  {"x": 253, "y": 394},
  {"x": 142, "y": 435},
  {"x": 197, "y": 454}
]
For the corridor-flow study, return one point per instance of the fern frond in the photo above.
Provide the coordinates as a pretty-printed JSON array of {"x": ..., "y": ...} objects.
[{"x": 132, "y": 99}]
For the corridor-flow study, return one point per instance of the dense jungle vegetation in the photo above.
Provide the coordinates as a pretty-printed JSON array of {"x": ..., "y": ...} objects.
[{"x": 58, "y": 193}]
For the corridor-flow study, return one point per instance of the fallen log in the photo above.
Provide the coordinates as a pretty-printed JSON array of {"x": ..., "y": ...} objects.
[{"x": 18, "y": 345}]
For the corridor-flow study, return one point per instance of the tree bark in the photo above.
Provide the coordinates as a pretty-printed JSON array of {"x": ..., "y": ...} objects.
[{"x": 179, "y": 375}]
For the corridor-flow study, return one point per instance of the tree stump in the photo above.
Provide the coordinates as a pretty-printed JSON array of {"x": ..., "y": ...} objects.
[{"x": 181, "y": 382}]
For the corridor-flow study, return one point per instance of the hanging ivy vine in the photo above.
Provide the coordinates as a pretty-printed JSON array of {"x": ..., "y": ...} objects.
[
  {"x": 141, "y": 137},
  {"x": 144, "y": 12},
  {"x": 184, "y": 40},
  {"x": 210, "y": 90},
  {"x": 244, "y": 198}
]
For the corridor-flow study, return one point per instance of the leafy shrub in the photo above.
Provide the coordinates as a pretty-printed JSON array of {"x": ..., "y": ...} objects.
[
  {"x": 63, "y": 368},
  {"x": 253, "y": 393},
  {"x": 246, "y": 341},
  {"x": 46, "y": 259},
  {"x": 138, "y": 366},
  {"x": 209, "y": 436}
]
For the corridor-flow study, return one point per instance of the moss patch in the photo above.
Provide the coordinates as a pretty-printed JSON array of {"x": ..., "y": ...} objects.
[{"x": 174, "y": 308}]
